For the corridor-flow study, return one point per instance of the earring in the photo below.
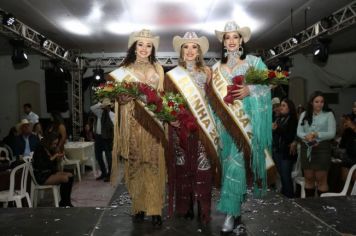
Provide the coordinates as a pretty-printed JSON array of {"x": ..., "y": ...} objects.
[
  {"x": 225, "y": 51},
  {"x": 241, "y": 50}
]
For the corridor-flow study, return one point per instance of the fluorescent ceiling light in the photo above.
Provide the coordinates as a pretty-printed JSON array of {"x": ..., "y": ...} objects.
[
  {"x": 123, "y": 28},
  {"x": 243, "y": 19},
  {"x": 96, "y": 13},
  {"x": 76, "y": 27}
]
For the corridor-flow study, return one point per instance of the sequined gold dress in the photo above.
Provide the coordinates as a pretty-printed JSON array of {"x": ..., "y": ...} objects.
[{"x": 145, "y": 170}]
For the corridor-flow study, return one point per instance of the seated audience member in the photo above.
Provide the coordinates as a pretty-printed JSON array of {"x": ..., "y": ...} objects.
[
  {"x": 26, "y": 142},
  {"x": 37, "y": 130},
  {"x": 88, "y": 133},
  {"x": 10, "y": 139},
  {"x": 45, "y": 165},
  {"x": 348, "y": 143},
  {"x": 58, "y": 126}
]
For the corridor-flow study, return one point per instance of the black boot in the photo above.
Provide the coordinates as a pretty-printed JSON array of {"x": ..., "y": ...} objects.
[
  {"x": 190, "y": 212},
  {"x": 156, "y": 220},
  {"x": 309, "y": 192},
  {"x": 65, "y": 191},
  {"x": 139, "y": 217}
]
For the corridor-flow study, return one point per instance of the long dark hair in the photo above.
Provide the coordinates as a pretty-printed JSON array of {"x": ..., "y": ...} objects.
[
  {"x": 57, "y": 120},
  {"x": 48, "y": 139},
  {"x": 292, "y": 111},
  {"x": 223, "y": 50},
  {"x": 131, "y": 56},
  {"x": 308, "y": 117},
  {"x": 199, "y": 60}
]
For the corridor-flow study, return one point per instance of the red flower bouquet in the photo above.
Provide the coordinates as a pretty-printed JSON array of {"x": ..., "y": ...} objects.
[
  {"x": 255, "y": 76},
  {"x": 236, "y": 81}
]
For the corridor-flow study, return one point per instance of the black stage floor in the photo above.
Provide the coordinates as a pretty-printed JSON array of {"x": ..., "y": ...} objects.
[{"x": 273, "y": 215}]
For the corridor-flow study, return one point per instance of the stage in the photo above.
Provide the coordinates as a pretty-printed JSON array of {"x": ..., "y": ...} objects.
[{"x": 273, "y": 215}]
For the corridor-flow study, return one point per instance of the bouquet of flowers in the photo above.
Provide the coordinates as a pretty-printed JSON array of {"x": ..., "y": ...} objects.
[
  {"x": 112, "y": 89},
  {"x": 256, "y": 76},
  {"x": 167, "y": 107},
  {"x": 266, "y": 77}
]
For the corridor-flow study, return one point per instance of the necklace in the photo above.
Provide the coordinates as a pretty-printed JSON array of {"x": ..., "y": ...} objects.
[
  {"x": 198, "y": 77},
  {"x": 190, "y": 66},
  {"x": 141, "y": 66},
  {"x": 231, "y": 62}
]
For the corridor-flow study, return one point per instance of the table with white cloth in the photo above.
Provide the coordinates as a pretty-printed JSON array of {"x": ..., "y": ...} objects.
[{"x": 82, "y": 151}]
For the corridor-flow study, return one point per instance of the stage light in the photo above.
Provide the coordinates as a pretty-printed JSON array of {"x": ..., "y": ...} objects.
[
  {"x": 8, "y": 20},
  {"x": 327, "y": 22},
  {"x": 19, "y": 56},
  {"x": 43, "y": 41},
  {"x": 321, "y": 49},
  {"x": 296, "y": 39},
  {"x": 272, "y": 52},
  {"x": 66, "y": 54},
  {"x": 98, "y": 73}
]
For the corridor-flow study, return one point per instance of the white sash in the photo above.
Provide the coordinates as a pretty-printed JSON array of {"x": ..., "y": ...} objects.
[
  {"x": 196, "y": 103},
  {"x": 235, "y": 110},
  {"x": 121, "y": 74}
]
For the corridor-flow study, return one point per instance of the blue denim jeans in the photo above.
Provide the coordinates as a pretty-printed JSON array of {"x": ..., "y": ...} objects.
[{"x": 285, "y": 167}]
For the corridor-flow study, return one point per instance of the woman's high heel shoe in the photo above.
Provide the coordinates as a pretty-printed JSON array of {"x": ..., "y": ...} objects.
[
  {"x": 156, "y": 220},
  {"x": 189, "y": 214}
]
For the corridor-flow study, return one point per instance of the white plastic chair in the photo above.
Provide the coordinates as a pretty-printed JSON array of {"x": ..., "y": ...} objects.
[
  {"x": 4, "y": 150},
  {"x": 346, "y": 186},
  {"x": 297, "y": 174},
  {"x": 35, "y": 188},
  {"x": 11, "y": 153},
  {"x": 76, "y": 163},
  {"x": 17, "y": 194}
]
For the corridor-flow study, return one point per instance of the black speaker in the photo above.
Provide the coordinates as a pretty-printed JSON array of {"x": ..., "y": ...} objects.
[{"x": 56, "y": 90}]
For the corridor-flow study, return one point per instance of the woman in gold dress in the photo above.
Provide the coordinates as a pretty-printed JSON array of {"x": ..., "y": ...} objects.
[{"x": 145, "y": 171}]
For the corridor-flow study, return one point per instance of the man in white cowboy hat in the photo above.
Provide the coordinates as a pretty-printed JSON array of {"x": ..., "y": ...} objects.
[
  {"x": 104, "y": 134},
  {"x": 254, "y": 102},
  {"x": 26, "y": 142}
]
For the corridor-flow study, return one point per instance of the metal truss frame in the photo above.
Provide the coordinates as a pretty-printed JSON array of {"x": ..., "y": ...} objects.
[
  {"x": 341, "y": 19},
  {"x": 33, "y": 39},
  {"x": 66, "y": 58},
  {"x": 114, "y": 62}
]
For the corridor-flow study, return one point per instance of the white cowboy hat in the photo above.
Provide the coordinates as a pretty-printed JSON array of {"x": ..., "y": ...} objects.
[
  {"x": 143, "y": 34},
  {"x": 231, "y": 26},
  {"x": 190, "y": 37},
  {"x": 276, "y": 101},
  {"x": 106, "y": 102},
  {"x": 23, "y": 122}
]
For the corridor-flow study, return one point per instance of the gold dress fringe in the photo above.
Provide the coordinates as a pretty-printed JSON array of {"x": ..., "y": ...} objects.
[{"x": 145, "y": 170}]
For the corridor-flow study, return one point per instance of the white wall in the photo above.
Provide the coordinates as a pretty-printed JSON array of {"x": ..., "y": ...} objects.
[
  {"x": 10, "y": 77},
  {"x": 339, "y": 70},
  {"x": 10, "y": 109}
]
